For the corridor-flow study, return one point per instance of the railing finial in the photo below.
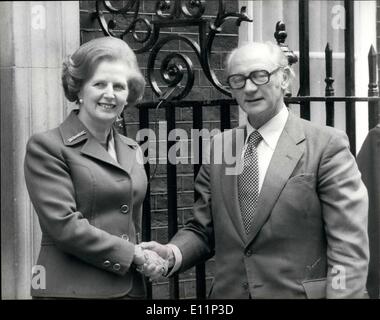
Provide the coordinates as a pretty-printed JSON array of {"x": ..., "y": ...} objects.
[
  {"x": 329, "y": 90},
  {"x": 372, "y": 65},
  {"x": 280, "y": 36}
]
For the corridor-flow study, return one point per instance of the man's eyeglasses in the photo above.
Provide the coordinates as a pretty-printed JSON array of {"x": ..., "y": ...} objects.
[{"x": 258, "y": 77}]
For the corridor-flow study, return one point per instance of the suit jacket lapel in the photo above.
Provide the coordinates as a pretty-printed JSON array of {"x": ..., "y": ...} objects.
[
  {"x": 92, "y": 148},
  {"x": 229, "y": 175},
  {"x": 284, "y": 160},
  {"x": 73, "y": 131},
  {"x": 126, "y": 154}
]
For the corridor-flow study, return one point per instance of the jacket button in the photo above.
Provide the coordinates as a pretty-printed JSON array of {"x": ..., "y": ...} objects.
[
  {"x": 116, "y": 266},
  {"x": 106, "y": 263},
  {"x": 248, "y": 253},
  {"x": 124, "y": 208},
  {"x": 125, "y": 237}
]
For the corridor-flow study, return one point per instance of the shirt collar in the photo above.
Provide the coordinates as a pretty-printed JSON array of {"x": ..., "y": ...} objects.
[
  {"x": 272, "y": 129},
  {"x": 111, "y": 140},
  {"x": 111, "y": 145}
]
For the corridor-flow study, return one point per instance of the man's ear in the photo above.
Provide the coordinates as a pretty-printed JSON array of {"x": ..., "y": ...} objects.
[
  {"x": 286, "y": 78},
  {"x": 233, "y": 94}
]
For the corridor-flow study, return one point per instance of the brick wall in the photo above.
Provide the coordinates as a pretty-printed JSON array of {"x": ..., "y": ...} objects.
[{"x": 202, "y": 90}]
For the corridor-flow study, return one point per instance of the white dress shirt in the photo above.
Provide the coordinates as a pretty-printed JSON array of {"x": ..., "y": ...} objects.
[{"x": 270, "y": 132}]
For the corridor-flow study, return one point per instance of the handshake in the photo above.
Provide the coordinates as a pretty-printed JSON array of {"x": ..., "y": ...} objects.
[{"x": 153, "y": 259}]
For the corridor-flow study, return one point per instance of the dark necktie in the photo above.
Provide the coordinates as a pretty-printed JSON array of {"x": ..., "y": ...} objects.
[{"x": 248, "y": 181}]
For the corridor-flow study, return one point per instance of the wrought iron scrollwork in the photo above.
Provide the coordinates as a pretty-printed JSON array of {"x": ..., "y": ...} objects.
[
  {"x": 194, "y": 8},
  {"x": 167, "y": 9},
  {"x": 215, "y": 28},
  {"x": 176, "y": 69},
  {"x": 137, "y": 25},
  {"x": 173, "y": 67}
]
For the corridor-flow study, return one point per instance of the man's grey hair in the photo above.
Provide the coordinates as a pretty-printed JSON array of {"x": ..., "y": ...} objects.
[{"x": 279, "y": 57}]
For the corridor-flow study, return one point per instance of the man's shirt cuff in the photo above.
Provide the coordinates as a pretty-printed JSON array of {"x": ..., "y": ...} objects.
[{"x": 177, "y": 258}]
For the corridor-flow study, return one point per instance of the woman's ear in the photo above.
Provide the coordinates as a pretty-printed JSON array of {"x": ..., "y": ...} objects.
[{"x": 79, "y": 98}]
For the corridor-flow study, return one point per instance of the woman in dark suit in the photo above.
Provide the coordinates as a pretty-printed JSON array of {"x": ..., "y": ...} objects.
[{"x": 87, "y": 182}]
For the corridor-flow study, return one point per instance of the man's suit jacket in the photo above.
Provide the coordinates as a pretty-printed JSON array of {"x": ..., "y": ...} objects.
[
  {"x": 369, "y": 165},
  {"x": 309, "y": 235},
  {"x": 89, "y": 208}
]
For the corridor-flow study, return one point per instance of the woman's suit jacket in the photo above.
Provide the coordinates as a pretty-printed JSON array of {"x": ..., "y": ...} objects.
[
  {"x": 309, "y": 226},
  {"x": 89, "y": 208}
]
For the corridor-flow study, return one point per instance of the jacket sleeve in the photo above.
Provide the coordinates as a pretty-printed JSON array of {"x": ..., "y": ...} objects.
[
  {"x": 344, "y": 203},
  {"x": 52, "y": 193},
  {"x": 196, "y": 239}
]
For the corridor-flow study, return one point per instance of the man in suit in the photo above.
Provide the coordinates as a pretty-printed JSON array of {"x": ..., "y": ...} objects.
[
  {"x": 369, "y": 166},
  {"x": 292, "y": 223}
]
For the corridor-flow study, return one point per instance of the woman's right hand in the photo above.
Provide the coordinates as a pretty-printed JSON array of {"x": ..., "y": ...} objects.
[{"x": 149, "y": 263}]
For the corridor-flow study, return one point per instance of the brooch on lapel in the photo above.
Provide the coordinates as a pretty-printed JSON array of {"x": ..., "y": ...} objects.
[{"x": 71, "y": 139}]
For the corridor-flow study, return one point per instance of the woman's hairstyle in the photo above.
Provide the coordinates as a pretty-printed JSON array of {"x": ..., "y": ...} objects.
[{"x": 80, "y": 66}]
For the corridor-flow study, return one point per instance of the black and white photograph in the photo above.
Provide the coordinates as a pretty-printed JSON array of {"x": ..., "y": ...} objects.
[{"x": 190, "y": 150}]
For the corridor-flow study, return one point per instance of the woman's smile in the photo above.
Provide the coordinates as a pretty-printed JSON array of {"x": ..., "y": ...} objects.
[
  {"x": 107, "y": 106},
  {"x": 105, "y": 94}
]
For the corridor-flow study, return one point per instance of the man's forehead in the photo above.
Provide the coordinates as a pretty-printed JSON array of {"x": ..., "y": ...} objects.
[{"x": 250, "y": 60}]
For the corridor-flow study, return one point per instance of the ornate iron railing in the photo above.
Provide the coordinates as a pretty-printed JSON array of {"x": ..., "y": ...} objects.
[{"x": 119, "y": 22}]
